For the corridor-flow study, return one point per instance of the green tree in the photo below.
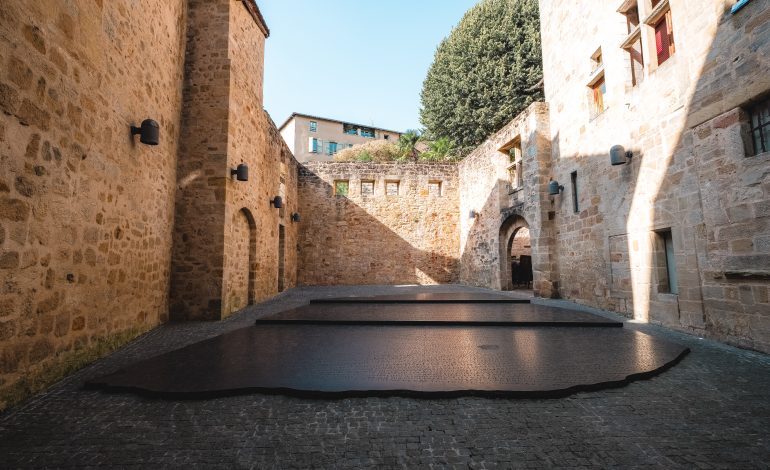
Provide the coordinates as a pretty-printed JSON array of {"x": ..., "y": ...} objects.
[
  {"x": 484, "y": 73},
  {"x": 441, "y": 149},
  {"x": 407, "y": 143}
]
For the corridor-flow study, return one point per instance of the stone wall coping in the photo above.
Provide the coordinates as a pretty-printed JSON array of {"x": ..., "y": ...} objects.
[{"x": 253, "y": 9}]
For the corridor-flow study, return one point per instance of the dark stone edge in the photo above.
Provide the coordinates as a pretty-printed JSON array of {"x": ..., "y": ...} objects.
[
  {"x": 310, "y": 394},
  {"x": 602, "y": 324},
  {"x": 354, "y": 300}
]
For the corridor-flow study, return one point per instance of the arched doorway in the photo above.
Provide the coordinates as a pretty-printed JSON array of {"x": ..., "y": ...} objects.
[
  {"x": 515, "y": 254},
  {"x": 520, "y": 251},
  {"x": 244, "y": 260}
]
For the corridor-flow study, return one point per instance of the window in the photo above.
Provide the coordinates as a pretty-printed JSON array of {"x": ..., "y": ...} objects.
[
  {"x": 633, "y": 42},
  {"x": 434, "y": 188},
  {"x": 341, "y": 188},
  {"x": 660, "y": 21},
  {"x": 760, "y": 127},
  {"x": 573, "y": 179},
  {"x": 313, "y": 126},
  {"x": 391, "y": 188},
  {"x": 367, "y": 132},
  {"x": 598, "y": 91},
  {"x": 350, "y": 129},
  {"x": 386, "y": 137},
  {"x": 596, "y": 84},
  {"x": 665, "y": 262},
  {"x": 516, "y": 166},
  {"x": 313, "y": 145},
  {"x": 331, "y": 148},
  {"x": 367, "y": 188}
]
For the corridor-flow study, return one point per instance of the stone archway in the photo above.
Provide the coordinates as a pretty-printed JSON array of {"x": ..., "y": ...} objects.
[
  {"x": 244, "y": 260},
  {"x": 513, "y": 228}
]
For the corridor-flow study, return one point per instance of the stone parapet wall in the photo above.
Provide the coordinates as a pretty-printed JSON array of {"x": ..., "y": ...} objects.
[
  {"x": 86, "y": 211},
  {"x": 408, "y": 238}
]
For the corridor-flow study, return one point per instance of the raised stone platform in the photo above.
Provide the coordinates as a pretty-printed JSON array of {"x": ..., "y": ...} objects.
[
  {"x": 338, "y": 360},
  {"x": 432, "y": 314},
  {"x": 432, "y": 297}
]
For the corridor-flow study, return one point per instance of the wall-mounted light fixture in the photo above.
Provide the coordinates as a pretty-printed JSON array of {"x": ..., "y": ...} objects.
[
  {"x": 277, "y": 202},
  {"x": 619, "y": 156},
  {"x": 149, "y": 132},
  {"x": 295, "y": 217},
  {"x": 241, "y": 172},
  {"x": 554, "y": 188},
  {"x": 473, "y": 214}
]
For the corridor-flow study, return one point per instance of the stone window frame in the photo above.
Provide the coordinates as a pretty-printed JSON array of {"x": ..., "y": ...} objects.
[
  {"x": 513, "y": 151},
  {"x": 597, "y": 86},
  {"x": 664, "y": 261},
  {"x": 755, "y": 127},
  {"x": 398, "y": 187},
  {"x": 374, "y": 187},
  {"x": 440, "y": 185},
  {"x": 335, "y": 188},
  {"x": 660, "y": 12},
  {"x": 633, "y": 43}
]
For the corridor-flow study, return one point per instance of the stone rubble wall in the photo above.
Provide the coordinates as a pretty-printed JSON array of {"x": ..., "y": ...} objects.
[
  {"x": 485, "y": 188},
  {"x": 411, "y": 238},
  {"x": 86, "y": 211}
]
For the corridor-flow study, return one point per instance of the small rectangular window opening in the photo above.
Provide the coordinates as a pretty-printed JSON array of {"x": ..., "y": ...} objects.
[
  {"x": 759, "y": 124},
  {"x": 573, "y": 180},
  {"x": 391, "y": 188},
  {"x": 665, "y": 262},
  {"x": 367, "y": 188},
  {"x": 341, "y": 188},
  {"x": 434, "y": 188},
  {"x": 313, "y": 126}
]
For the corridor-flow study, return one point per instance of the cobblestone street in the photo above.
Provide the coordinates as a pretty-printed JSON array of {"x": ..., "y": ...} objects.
[{"x": 712, "y": 410}]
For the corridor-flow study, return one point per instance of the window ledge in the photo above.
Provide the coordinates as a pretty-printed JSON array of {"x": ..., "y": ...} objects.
[
  {"x": 657, "y": 13},
  {"x": 596, "y": 75},
  {"x": 632, "y": 37}
]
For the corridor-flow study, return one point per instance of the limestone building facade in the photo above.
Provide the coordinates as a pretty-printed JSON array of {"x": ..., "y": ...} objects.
[
  {"x": 678, "y": 235},
  {"x": 314, "y": 138},
  {"x": 101, "y": 236}
]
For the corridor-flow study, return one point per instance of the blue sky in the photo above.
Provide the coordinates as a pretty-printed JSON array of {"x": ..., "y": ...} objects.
[{"x": 354, "y": 60}]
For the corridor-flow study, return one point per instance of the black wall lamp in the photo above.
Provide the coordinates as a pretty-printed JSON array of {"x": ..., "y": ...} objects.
[
  {"x": 619, "y": 156},
  {"x": 149, "y": 132},
  {"x": 277, "y": 202},
  {"x": 473, "y": 214},
  {"x": 241, "y": 172},
  {"x": 295, "y": 217},
  {"x": 554, "y": 188}
]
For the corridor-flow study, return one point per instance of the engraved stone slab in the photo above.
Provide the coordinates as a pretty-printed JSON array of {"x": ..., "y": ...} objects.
[
  {"x": 435, "y": 297},
  {"x": 338, "y": 360},
  {"x": 428, "y": 314}
]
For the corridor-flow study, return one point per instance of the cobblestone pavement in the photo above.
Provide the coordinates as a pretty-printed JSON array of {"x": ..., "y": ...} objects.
[{"x": 712, "y": 410}]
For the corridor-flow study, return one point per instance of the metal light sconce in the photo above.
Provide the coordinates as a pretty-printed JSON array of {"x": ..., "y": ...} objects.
[
  {"x": 277, "y": 202},
  {"x": 619, "y": 156},
  {"x": 554, "y": 188},
  {"x": 295, "y": 217},
  {"x": 473, "y": 214},
  {"x": 149, "y": 132},
  {"x": 241, "y": 172}
]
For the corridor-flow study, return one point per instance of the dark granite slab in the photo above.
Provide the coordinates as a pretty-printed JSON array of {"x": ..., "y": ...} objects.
[
  {"x": 400, "y": 360},
  {"x": 431, "y": 314},
  {"x": 433, "y": 297}
]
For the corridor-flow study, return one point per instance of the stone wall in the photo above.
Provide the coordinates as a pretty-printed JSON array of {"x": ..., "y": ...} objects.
[
  {"x": 502, "y": 206},
  {"x": 409, "y": 237},
  {"x": 86, "y": 211},
  {"x": 224, "y": 125},
  {"x": 695, "y": 182}
]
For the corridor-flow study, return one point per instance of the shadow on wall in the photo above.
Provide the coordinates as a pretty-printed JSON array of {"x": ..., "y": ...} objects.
[
  {"x": 678, "y": 235},
  {"x": 341, "y": 243}
]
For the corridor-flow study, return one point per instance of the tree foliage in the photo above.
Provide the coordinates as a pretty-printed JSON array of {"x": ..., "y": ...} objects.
[{"x": 484, "y": 73}]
